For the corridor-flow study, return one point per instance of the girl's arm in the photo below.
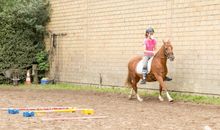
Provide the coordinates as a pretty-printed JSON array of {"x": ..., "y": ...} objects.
[
  {"x": 155, "y": 49},
  {"x": 145, "y": 49},
  {"x": 148, "y": 50}
]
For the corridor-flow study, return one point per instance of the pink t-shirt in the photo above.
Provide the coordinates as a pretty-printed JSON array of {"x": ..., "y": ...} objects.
[{"x": 150, "y": 45}]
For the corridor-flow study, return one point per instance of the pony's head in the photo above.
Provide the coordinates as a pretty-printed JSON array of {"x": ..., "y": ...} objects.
[{"x": 168, "y": 50}]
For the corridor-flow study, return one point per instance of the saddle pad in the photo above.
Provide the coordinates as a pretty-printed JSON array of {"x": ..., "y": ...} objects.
[{"x": 140, "y": 65}]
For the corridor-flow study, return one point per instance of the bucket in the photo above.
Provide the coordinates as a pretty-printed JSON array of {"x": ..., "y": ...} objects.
[{"x": 44, "y": 81}]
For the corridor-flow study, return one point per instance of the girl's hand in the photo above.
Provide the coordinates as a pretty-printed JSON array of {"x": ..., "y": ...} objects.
[{"x": 148, "y": 51}]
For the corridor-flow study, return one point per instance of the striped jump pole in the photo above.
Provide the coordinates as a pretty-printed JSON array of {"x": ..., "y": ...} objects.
[
  {"x": 60, "y": 110},
  {"x": 84, "y": 111},
  {"x": 37, "y": 108},
  {"x": 73, "y": 118},
  {"x": 38, "y": 112}
]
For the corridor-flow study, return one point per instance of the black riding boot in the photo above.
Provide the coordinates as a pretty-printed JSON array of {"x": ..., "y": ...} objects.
[
  {"x": 143, "y": 81},
  {"x": 168, "y": 79}
]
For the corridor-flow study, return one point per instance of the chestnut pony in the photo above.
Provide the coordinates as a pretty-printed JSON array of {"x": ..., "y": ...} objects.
[{"x": 158, "y": 70}]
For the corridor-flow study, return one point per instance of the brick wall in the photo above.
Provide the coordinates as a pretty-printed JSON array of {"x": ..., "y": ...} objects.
[{"x": 102, "y": 35}]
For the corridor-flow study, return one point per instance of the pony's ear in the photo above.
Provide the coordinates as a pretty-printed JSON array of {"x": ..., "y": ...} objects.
[
  {"x": 164, "y": 42},
  {"x": 167, "y": 41}
]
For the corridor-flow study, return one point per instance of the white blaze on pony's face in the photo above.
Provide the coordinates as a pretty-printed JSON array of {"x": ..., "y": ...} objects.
[{"x": 168, "y": 50}]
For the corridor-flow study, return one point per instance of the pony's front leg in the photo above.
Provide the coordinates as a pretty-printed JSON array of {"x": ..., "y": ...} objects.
[
  {"x": 169, "y": 97},
  {"x": 160, "y": 94},
  {"x": 163, "y": 87}
]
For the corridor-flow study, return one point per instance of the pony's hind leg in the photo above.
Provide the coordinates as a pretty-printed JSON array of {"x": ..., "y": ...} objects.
[
  {"x": 130, "y": 83},
  {"x": 131, "y": 94},
  {"x": 160, "y": 94},
  {"x": 139, "y": 98},
  {"x": 134, "y": 86}
]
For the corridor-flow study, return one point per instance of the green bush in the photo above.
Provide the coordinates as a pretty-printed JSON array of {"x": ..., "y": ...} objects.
[{"x": 23, "y": 28}]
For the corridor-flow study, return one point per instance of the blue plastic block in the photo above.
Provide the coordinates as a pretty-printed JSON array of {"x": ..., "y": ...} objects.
[
  {"x": 28, "y": 114},
  {"x": 13, "y": 111}
]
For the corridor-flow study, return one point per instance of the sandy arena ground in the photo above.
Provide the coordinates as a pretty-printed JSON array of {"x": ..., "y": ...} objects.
[{"x": 122, "y": 114}]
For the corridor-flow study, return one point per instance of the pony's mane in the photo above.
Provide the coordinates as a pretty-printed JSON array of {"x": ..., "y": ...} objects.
[{"x": 160, "y": 50}]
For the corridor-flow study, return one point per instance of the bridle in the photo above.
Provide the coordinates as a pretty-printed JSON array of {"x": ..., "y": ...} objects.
[
  {"x": 167, "y": 55},
  {"x": 165, "y": 52}
]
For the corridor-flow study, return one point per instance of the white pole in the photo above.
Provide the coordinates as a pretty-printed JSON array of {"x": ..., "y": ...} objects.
[{"x": 73, "y": 118}]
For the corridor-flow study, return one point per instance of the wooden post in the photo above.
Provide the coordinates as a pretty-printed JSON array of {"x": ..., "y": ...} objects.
[{"x": 35, "y": 74}]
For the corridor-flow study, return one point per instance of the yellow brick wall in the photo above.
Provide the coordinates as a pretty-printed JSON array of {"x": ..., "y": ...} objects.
[{"x": 102, "y": 35}]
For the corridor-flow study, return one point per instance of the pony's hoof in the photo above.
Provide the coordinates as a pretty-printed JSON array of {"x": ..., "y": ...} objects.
[
  {"x": 129, "y": 97},
  {"x": 171, "y": 100},
  {"x": 140, "y": 99},
  {"x": 161, "y": 99}
]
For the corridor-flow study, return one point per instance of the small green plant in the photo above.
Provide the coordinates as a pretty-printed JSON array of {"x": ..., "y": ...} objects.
[{"x": 42, "y": 61}]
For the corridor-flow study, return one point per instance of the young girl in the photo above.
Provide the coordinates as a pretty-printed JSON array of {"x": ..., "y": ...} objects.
[{"x": 149, "y": 50}]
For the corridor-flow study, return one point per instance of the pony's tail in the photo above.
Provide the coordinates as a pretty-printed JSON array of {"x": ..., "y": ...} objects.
[{"x": 128, "y": 80}]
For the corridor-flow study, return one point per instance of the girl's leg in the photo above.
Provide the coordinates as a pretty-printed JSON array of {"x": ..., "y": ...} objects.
[{"x": 144, "y": 71}]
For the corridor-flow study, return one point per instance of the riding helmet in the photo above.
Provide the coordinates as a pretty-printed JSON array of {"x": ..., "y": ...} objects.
[{"x": 150, "y": 30}]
